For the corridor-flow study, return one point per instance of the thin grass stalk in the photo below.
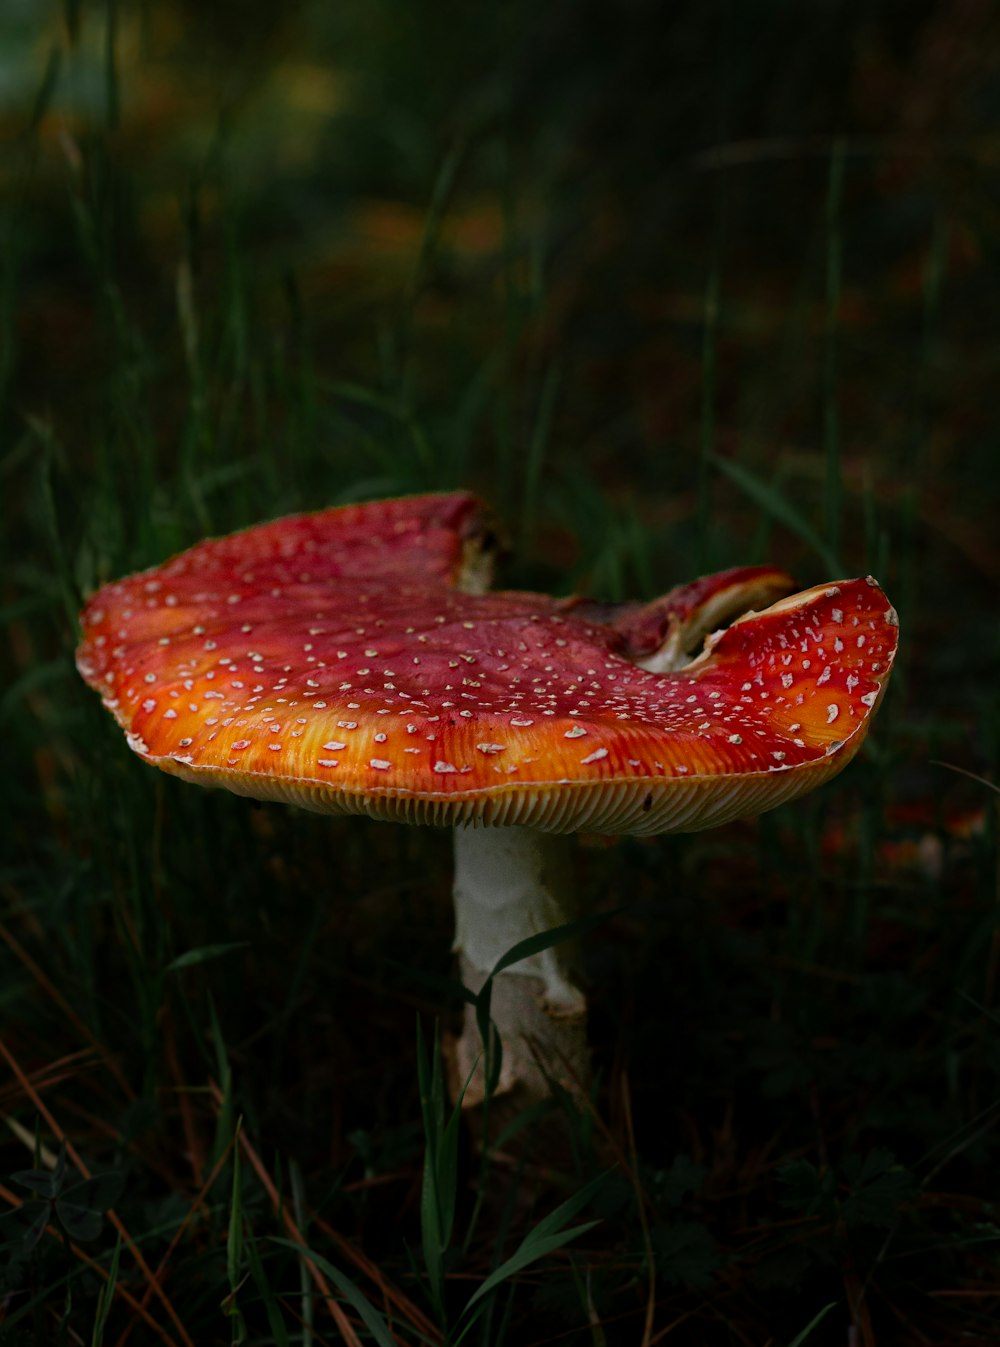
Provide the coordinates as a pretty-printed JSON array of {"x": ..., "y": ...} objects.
[
  {"x": 234, "y": 1252},
  {"x": 647, "y": 1242},
  {"x": 280, "y": 1210},
  {"x": 709, "y": 397},
  {"x": 13, "y": 233},
  {"x": 831, "y": 410},
  {"x": 196, "y": 1205},
  {"x": 934, "y": 276},
  {"x": 106, "y": 1297},
  {"x": 307, "y": 1300},
  {"x": 537, "y": 449}
]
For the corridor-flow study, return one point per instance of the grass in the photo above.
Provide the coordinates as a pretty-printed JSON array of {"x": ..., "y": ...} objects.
[{"x": 290, "y": 259}]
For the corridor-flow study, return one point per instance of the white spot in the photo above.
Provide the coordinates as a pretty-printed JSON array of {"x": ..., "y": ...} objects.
[
  {"x": 575, "y": 733},
  {"x": 521, "y": 722},
  {"x": 869, "y": 699},
  {"x": 381, "y": 737},
  {"x": 240, "y": 744},
  {"x": 327, "y": 762},
  {"x": 491, "y": 748},
  {"x": 334, "y": 746},
  {"x": 149, "y": 704},
  {"x": 444, "y": 767},
  {"x": 736, "y": 739},
  {"x": 347, "y": 724},
  {"x": 596, "y": 756},
  {"x": 832, "y": 712},
  {"x": 170, "y": 715},
  {"x": 379, "y": 764},
  {"x": 838, "y": 613}
]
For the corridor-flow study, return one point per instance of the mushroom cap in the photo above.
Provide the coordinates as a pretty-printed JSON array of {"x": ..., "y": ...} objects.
[{"x": 334, "y": 660}]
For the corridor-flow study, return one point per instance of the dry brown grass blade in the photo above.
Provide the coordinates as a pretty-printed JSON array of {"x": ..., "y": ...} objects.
[
  {"x": 51, "y": 1074},
  {"x": 640, "y": 1203},
  {"x": 325, "y": 1290},
  {"x": 102, "y": 1272},
  {"x": 391, "y": 1295},
  {"x": 164, "y": 1262},
  {"x": 54, "y": 994},
  {"x": 112, "y": 1215}
]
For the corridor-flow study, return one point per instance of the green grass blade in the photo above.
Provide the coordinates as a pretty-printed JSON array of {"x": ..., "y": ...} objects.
[
  {"x": 536, "y": 458},
  {"x": 105, "y": 1297},
  {"x": 535, "y": 1246},
  {"x": 275, "y": 1322},
  {"x": 800, "y": 1338},
  {"x": 234, "y": 1241},
  {"x": 779, "y": 508},
  {"x": 706, "y": 429},
  {"x": 224, "y": 1126},
  {"x": 190, "y": 958},
  {"x": 431, "y": 1234},
  {"x": 234, "y": 1249},
  {"x": 548, "y": 1235},
  {"x": 831, "y": 407},
  {"x": 370, "y": 1316},
  {"x": 555, "y": 935}
]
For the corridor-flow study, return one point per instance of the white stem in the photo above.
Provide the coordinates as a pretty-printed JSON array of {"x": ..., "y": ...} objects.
[{"x": 512, "y": 883}]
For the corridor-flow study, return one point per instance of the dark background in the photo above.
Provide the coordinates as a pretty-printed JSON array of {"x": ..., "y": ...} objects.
[{"x": 675, "y": 287}]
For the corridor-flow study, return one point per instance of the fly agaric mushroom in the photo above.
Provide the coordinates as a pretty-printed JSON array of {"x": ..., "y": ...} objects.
[{"x": 352, "y": 661}]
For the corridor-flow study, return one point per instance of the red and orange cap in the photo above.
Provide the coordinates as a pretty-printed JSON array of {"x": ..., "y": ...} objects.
[{"x": 335, "y": 661}]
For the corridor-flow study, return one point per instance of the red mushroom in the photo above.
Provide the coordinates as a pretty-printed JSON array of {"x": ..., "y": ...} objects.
[{"x": 350, "y": 661}]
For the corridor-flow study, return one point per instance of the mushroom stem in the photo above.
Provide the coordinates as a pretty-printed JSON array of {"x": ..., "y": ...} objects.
[{"x": 512, "y": 883}]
